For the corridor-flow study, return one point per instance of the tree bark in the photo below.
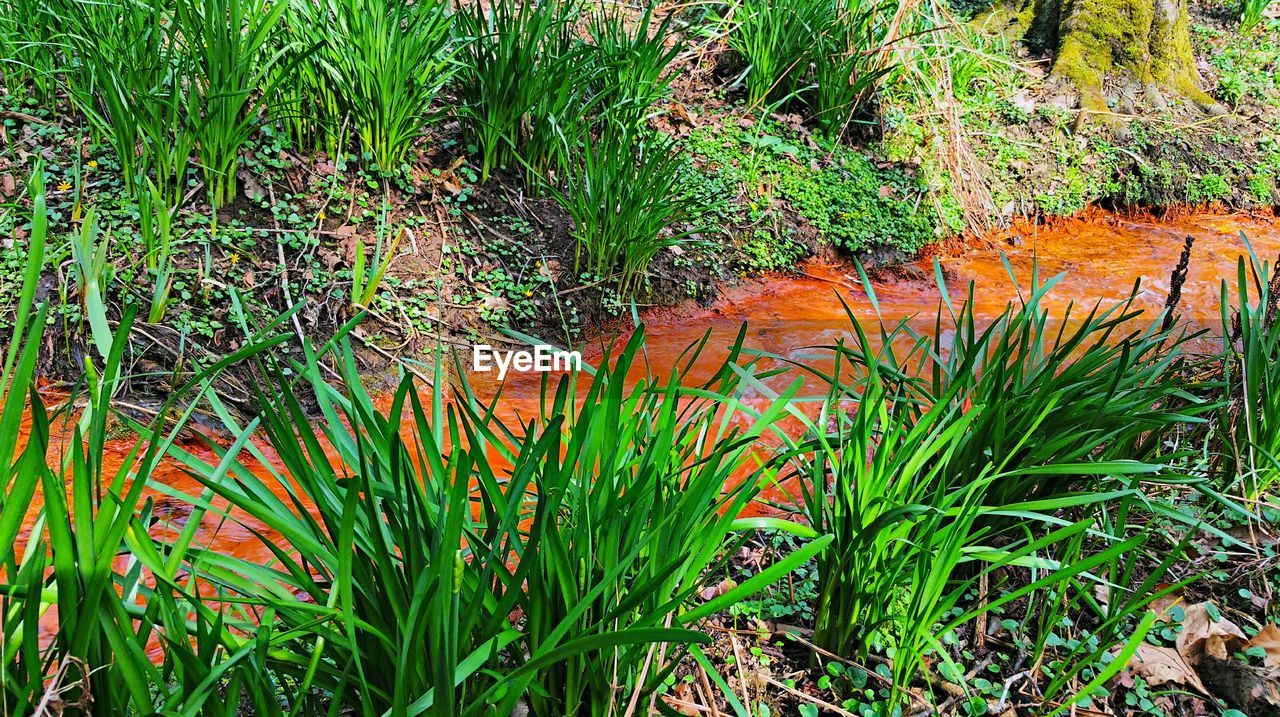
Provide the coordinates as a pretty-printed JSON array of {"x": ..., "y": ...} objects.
[{"x": 1113, "y": 47}]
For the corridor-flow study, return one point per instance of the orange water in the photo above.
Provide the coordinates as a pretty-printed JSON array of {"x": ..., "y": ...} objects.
[{"x": 1102, "y": 255}]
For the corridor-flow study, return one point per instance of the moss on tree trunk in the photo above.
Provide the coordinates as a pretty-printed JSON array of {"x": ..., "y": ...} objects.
[{"x": 1140, "y": 43}]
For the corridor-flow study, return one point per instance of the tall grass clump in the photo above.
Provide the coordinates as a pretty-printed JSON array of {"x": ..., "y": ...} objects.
[
  {"x": 22, "y": 674},
  {"x": 93, "y": 618},
  {"x": 524, "y": 83},
  {"x": 308, "y": 101},
  {"x": 776, "y": 40},
  {"x": 1251, "y": 13},
  {"x": 1249, "y": 422},
  {"x": 849, "y": 63},
  {"x": 924, "y": 452},
  {"x": 629, "y": 197},
  {"x": 828, "y": 55},
  {"x": 83, "y": 625},
  {"x": 636, "y": 510},
  {"x": 873, "y": 471},
  {"x": 30, "y": 56},
  {"x": 433, "y": 560},
  {"x": 126, "y": 76},
  {"x": 228, "y": 45},
  {"x": 381, "y": 62},
  {"x": 633, "y": 56},
  {"x": 1098, "y": 384}
]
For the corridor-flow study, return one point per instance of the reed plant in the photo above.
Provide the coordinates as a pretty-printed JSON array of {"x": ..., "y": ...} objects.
[
  {"x": 80, "y": 619},
  {"x": 829, "y": 55},
  {"x": 1248, "y": 424},
  {"x": 434, "y": 560},
  {"x": 88, "y": 621},
  {"x": 1252, "y": 13},
  {"x": 307, "y": 101},
  {"x": 634, "y": 55},
  {"x": 22, "y": 676},
  {"x": 776, "y": 39},
  {"x": 30, "y": 53},
  {"x": 629, "y": 196},
  {"x": 93, "y": 274},
  {"x": 1116, "y": 606},
  {"x": 126, "y": 75},
  {"x": 524, "y": 83},
  {"x": 924, "y": 457},
  {"x": 849, "y": 63},
  {"x": 873, "y": 470},
  {"x": 155, "y": 227},
  {"x": 636, "y": 512},
  {"x": 380, "y": 63},
  {"x": 231, "y": 63},
  {"x": 367, "y": 272},
  {"x": 1094, "y": 384}
]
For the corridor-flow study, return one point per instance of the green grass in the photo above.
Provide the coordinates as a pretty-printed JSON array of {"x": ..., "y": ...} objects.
[
  {"x": 125, "y": 74},
  {"x": 633, "y": 57},
  {"x": 523, "y": 84},
  {"x": 1098, "y": 383},
  {"x": 628, "y": 196},
  {"x": 29, "y": 49},
  {"x": 426, "y": 557},
  {"x": 828, "y": 56},
  {"x": 1249, "y": 422},
  {"x": 89, "y": 554},
  {"x": 776, "y": 41},
  {"x": 400, "y": 558},
  {"x": 1251, "y": 13},
  {"x": 228, "y": 42},
  {"x": 379, "y": 64},
  {"x": 932, "y": 465},
  {"x": 849, "y": 63}
]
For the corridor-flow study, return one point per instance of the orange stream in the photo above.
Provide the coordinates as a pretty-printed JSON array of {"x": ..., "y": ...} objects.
[{"x": 1102, "y": 255}]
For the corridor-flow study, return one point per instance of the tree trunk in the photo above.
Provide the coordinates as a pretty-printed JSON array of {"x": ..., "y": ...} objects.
[{"x": 1115, "y": 48}]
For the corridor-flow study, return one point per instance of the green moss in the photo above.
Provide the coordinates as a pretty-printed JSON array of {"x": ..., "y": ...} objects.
[{"x": 1148, "y": 39}]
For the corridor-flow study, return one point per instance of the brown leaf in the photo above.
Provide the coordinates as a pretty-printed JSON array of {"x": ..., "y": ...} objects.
[
  {"x": 1164, "y": 666},
  {"x": 496, "y": 303},
  {"x": 1163, "y": 605},
  {"x": 1201, "y": 635},
  {"x": 329, "y": 258},
  {"x": 1268, "y": 638},
  {"x": 714, "y": 591},
  {"x": 1023, "y": 101},
  {"x": 349, "y": 244},
  {"x": 550, "y": 270},
  {"x": 252, "y": 188}
]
